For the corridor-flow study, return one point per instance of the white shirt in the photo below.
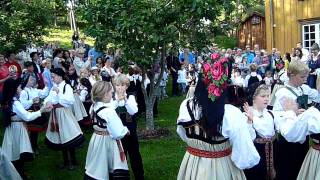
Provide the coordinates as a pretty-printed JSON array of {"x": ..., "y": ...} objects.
[
  {"x": 130, "y": 104},
  {"x": 23, "y": 114},
  {"x": 237, "y": 80},
  {"x": 28, "y": 94},
  {"x": 234, "y": 126},
  {"x": 281, "y": 94},
  {"x": 263, "y": 124},
  {"x": 80, "y": 64},
  {"x": 182, "y": 76},
  {"x": 113, "y": 122},
  {"x": 253, "y": 74},
  {"x": 66, "y": 99}
]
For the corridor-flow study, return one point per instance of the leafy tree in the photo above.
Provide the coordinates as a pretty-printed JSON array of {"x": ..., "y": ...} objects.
[
  {"x": 145, "y": 29},
  {"x": 22, "y": 21}
]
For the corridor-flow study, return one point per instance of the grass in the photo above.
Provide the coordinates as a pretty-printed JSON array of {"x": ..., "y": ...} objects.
[{"x": 62, "y": 36}]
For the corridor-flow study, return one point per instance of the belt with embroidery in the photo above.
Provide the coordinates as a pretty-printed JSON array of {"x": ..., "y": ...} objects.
[{"x": 209, "y": 154}]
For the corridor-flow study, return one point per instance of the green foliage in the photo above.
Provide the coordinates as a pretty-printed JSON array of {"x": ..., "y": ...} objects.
[
  {"x": 22, "y": 22},
  {"x": 225, "y": 41}
]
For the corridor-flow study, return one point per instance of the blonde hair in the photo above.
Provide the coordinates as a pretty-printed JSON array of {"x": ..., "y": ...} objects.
[
  {"x": 259, "y": 89},
  {"x": 297, "y": 67},
  {"x": 121, "y": 79},
  {"x": 99, "y": 90}
]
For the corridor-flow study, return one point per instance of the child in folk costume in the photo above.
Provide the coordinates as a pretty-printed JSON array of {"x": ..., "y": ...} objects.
[
  {"x": 105, "y": 158},
  {"x": 30, "y": 99},
  {"x": 63, "y": 131},
  {"x": 126, "y": 107},
  {"x": 210, "y": 127},
  {"x": 77, "y": 108},
  {"x": 293, "y": 154},
  {"x": 262, "y": 128},
  {"x": 83, "y": 91},
  {"x": 16, "y": 144}
]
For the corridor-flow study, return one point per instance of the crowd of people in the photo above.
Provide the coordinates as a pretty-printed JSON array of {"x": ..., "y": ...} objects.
[{"x": 247, "y": 113}]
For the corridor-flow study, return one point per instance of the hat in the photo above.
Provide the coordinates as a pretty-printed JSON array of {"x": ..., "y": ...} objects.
[
  {"x": 58, "y": 71},
  {"x": 315, "y": 46}
]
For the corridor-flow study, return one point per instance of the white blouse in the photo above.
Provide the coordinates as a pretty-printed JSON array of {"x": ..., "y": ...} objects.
[
  {"x": 263, "y": 124},
  {"x": 28, "y": 94},
  {"x": 113, "y": 122},
  {"x": 23, "y": 114},
  {"x": 130, "y": 104},
  {"x": 66, "y": 99},
  {"x": 234, "y": 126},
  {"x": 281, "y": 94},
  {"x": 298, "y": 127}
]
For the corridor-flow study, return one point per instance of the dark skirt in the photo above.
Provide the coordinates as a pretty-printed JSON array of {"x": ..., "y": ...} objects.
[
  {"x": 260, "y": 170},
  {"x": 290, "y": 157}
]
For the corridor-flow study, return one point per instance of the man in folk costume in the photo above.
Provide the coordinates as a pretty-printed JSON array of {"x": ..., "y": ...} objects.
[
  {"x": 292, "y": 154},
  {"x": 219, "y": 143},
  {"x": 126, "y": 108},
  {"x": 63, "y": 131}
]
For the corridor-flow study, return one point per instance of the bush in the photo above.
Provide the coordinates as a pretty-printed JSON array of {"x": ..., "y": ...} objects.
[{"x": 225, "y": 41}]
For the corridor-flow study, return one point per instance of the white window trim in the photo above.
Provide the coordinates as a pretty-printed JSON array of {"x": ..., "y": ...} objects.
[{"x": 317, "y": 33}]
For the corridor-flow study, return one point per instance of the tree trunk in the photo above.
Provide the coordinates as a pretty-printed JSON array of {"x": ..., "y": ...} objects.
[{"x": 149, "y": 115}]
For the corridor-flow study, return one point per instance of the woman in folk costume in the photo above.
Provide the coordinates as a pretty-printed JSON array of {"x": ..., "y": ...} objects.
[
  {"x": 16, "y": 144},
  {"x": 63, "y": 131},
  {"x": 105, "y": 158},
  {"x": 293, "y": 154},
  {"x": 218, "y": 139},
  {"x": 126, "y": 108},
  {"x": 262, "y": 128},
  {"x": 30, "y": 99}
]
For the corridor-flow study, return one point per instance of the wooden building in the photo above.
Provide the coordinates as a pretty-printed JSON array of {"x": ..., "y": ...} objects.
[
  {"x": 252, "y": 31},
  {"x": 291, "y": 21}
]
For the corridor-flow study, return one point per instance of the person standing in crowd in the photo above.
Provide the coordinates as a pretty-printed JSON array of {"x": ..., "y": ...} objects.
[
  {"x": 314, "y": 64},
  {"x": 4, "y": 74},
  {"x": 16, "y": 144},
  {"x": 293, "y": 154},
  {"x": 182, "y": 81},
  {"x": 79, "y": 62},
  {"x": 94, "y": 53},
  {"x": 106, "y": 157},
  {"x": 249, "y": 55},
  {"x": 209, "y": 127},
  {"x": 186, "y": 57},
  {"x": 46, "y": 75},
  {"x": 173, "y": 65},
  {"x": 305, "y": 52},
  {"x": 63, "y": 132},
  {"x": 297, "y": 54},
  {"x": 12, "y": 64},
  {"x": 126, "y": 108},
  {"x": 252, "y": 77},
  {"x": 57, "y": 58}
]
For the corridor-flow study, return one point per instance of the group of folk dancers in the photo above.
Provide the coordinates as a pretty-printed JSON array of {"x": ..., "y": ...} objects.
[
  {"x": 113, "y": 110},
  {"x": 224, "y": 143}
]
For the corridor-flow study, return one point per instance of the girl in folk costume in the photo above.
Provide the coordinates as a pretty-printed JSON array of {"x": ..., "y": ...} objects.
[
  {"x": 105, "y": 158},
  {"x": 95, "y": 76},
  {"x": 63, "y": 131},
  {"x": 77, "y": 108},
  {"x": 219, "y": 143},
  {"x": 30, "y": 99},
  {"x": 126, "y": 107},
  {"x": 83, "y": 91},
  {"x": 293, "y": 154},
  {"x": 16, "y": 144},
  {"x": 262, "y": 127}
]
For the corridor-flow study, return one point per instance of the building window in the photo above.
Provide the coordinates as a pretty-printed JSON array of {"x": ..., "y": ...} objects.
[{"x": 310, "y": 35}]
